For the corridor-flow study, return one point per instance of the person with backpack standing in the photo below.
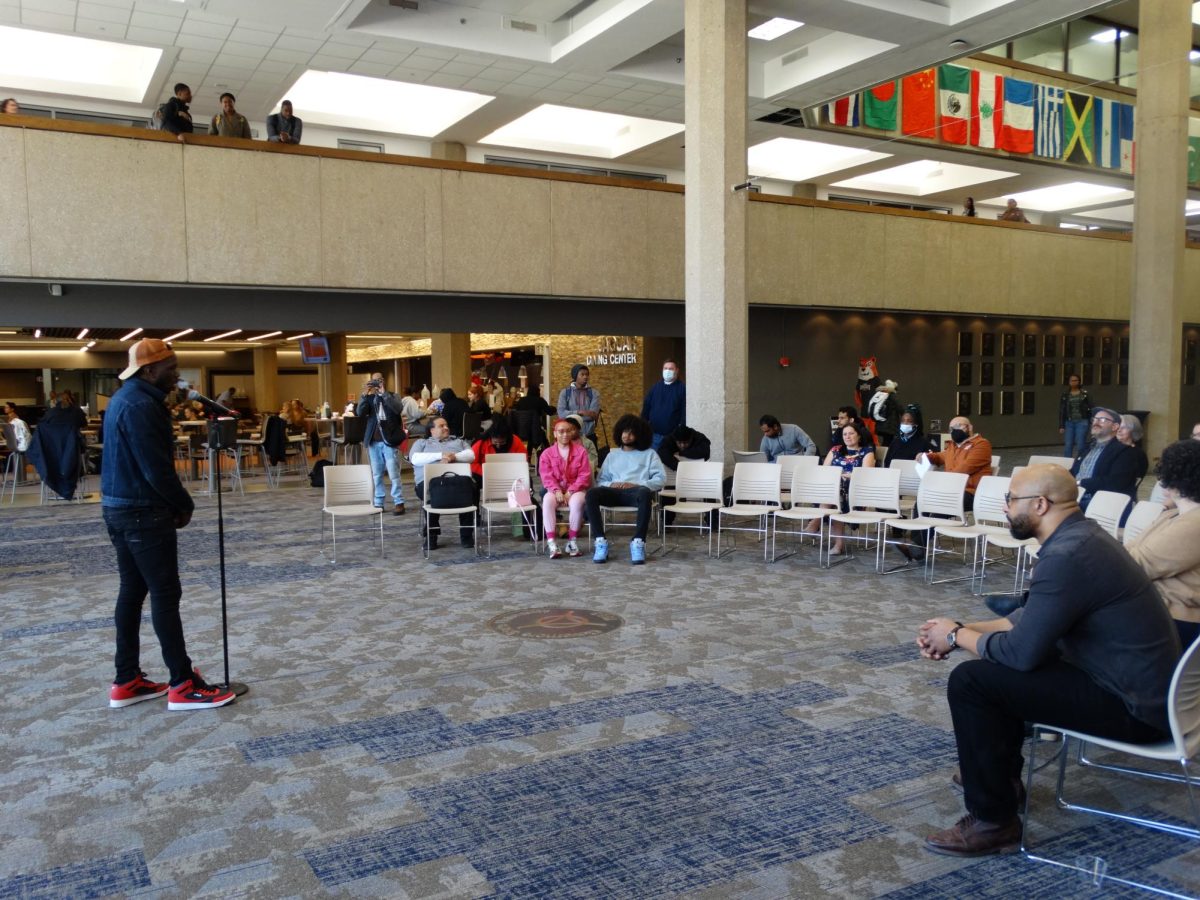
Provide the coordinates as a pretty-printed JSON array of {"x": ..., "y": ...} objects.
[
  {"x": 383, "y": 437},
  {"x": 174, "y": 116}
]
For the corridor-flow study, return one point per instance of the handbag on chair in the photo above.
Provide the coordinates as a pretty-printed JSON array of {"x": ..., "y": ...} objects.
[{"x": 451, "y": 491}]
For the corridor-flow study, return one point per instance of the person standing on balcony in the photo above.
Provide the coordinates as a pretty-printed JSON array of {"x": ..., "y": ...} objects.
[
  {"x": 229, "y": 122},
  {"x": 283, "y": 127}
]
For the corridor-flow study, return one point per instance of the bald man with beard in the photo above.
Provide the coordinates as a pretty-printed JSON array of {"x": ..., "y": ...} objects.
[{"x": 1093, "y": 649}]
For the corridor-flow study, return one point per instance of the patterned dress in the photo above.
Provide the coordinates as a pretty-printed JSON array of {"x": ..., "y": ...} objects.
[{"x": 848, "y": 460}]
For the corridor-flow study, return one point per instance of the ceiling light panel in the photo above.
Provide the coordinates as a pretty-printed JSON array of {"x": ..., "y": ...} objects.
[
  {"x": 580, "y": 132},
  {"x": 1071, "y": 195},
  {"x": 41, "y": 62},
  {"x": 774, "y": 28},
  {"x": 923, "y": 177},
  {"x": 377, "y": 104},
  {"x": 789, "y": 159}
]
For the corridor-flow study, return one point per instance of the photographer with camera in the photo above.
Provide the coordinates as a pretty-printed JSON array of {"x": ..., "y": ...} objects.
[{"x": 384, "y": 435}]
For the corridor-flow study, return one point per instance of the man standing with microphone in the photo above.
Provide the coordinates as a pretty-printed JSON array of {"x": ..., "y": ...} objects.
[
  {"x": 383, "y": 437},
  {"x": 143, "y": 503}
]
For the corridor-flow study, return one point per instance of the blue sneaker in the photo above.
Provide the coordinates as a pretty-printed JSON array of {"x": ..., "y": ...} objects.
[
  {"x": 601, "y": 554},
  {"x": 637, "y": 552}
]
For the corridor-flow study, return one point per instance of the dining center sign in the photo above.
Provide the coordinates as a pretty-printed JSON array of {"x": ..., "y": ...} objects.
[{"x": 614, "y": 350}]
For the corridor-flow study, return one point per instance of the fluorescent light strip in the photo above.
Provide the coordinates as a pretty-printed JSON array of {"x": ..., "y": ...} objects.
[
  {"x": 178, "y": 334},
  {"x": 297, "y": 337},
  {"x": 217, "y": 337},
  {"x": 773, "y": 28},
  {"x": 81, "y": 335},
  {"x": 37, "y": 332},
  {"x": 263, "y": 337},
  {"x": 132, "y": 334},
  {"x": 90, "y": 345}
]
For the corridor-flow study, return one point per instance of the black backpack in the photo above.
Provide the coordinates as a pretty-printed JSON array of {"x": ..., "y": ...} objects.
[
  {"x": 158, "y": 116},
  {"x": 317, "y": 476}
]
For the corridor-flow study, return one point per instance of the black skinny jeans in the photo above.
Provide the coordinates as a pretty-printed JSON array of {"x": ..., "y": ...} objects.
[
  {"x": 148, "y": 562},
  {"x": 641, "y": 497},
  {"x": 990, "y": 705}
]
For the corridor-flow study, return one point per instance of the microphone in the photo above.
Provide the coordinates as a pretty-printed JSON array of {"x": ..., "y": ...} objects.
[{"x": 210, "y": 403}]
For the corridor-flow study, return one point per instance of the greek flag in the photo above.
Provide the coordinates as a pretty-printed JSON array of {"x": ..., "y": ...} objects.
[{"x": 1048, "y": 121}]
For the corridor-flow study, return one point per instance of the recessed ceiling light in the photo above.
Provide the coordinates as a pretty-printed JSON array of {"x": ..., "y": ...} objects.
[
  {"x": 132, "y": 334},
  {"x": 1064, "y": 196},
  {"x": 773, "y": 28},
  {"x": 925, "y": 176},
  {"x": 298, "y": 336},
  {"x": 81, "y": 335},
  {"x": 379, "y": 104},
  {"x": 37, "y": 332},
  {"x": 178, "y": 334},
  {"x": 583, "y": 132},
  {"x": 791, "y": 159},
  {"x": 1107, "y": 37},
  {"x": 41, "y": 62},
  {"x": 217, "y": 337},
  {"x": 263, "y": 337}
]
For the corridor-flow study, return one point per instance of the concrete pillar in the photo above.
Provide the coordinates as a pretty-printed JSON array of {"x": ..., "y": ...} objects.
[
  {"x": 450, "y": 360},
  {"x": 266, "y": 379},
  {"x": 716, "y": 315},
  {"x": 332, "y": 377},
  {"x": 1160, "y": 185},
  {"x": 451, "y": 150}
]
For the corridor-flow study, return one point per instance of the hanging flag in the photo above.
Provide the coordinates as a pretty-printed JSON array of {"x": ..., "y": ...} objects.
[
  {"x": 879, "y": 106},
  {"x": 1016, "y": 133},
  {"x": 1048, "y": 121},
  {"x": 1194, "y": 160},
  {"x": 843, "y": 111},
  {"x": 918, "y": 104},
  {"x": 1079, "y": 129},
  {"x": 1108, "y": 133},
  {"x": 987, "y": 108},
  {"x": 1128, "y": 148},
  {"x": 954, "y": 102}
]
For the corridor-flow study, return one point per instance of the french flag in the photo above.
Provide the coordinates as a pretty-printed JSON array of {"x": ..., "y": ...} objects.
[{"x": 1016, "y": 132}]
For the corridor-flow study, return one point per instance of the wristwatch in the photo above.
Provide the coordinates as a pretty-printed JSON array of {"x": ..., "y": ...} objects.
[{"x": 952, "y": 635}]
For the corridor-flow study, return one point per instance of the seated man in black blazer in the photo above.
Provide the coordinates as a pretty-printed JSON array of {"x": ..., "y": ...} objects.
[{"x": 1108, "y": 464}]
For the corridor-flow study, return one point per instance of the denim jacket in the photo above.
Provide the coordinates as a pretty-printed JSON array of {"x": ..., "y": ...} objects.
[{"x": 139, "y": 452}]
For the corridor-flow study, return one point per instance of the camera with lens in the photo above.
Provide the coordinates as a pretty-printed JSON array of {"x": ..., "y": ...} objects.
[{"x": 375, "y": 383}]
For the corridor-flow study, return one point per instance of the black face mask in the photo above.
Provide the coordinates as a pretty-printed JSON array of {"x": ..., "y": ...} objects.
[{"x": 958, "y": 435}]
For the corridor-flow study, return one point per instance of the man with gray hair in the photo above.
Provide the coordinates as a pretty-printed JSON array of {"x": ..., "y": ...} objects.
[
  {"x": 1108, "y": 464},
  {"x": 1087, "y": 653}
]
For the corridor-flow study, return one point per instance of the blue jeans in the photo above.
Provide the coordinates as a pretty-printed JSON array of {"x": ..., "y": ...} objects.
[
  {"x": 147, "y": 561},
  {"x": 1075, "y": 435},
  {"x": 657, "y": 440},
  {"x": 384, "y": 456}
]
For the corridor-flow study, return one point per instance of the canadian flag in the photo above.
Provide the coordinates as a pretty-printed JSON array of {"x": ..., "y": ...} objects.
[{"x": 987, "y": 108}]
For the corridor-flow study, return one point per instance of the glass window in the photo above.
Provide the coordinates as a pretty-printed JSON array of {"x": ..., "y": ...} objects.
[
  {"x": 1042, "y": 48},
  {"x": 1127, "y": 59},
  {"x": 998, "y": 50},
  {"x": 1194, "y": 76},
  {"x": 1092, "y": 50}
]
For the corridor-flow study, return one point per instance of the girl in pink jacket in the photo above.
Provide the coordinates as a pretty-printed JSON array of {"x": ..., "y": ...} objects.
[{"x": 566, "y": 474}]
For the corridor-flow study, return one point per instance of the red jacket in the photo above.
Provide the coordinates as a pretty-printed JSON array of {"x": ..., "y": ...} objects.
[
  {"x": 484, "y": 448},
  {"x": 974, "y": 458}
]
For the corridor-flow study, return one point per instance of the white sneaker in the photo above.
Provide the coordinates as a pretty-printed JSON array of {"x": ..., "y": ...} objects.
[
  {"x": 552, "y": 550},
  {"x": 572, "y": 548}
]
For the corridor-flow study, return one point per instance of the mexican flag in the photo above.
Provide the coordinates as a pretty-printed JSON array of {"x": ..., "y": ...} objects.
[
  {"x": 954, "y": 103},
  {"x": 918, "y": 99},
  {"x": 987, "y": 108},
  {"x": 879, "y": 106}
]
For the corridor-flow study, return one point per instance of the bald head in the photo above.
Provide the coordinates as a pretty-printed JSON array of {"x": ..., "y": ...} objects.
[
  {"x": 1039, "y": 499},
  {"x": 1046, "y": 480}
]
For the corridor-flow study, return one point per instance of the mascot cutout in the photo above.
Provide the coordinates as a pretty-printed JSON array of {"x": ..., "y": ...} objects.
[{"x": 883, "y": 413}]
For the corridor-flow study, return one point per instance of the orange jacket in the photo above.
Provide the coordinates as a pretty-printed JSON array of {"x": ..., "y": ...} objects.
[{"x": 973, "y": 456}]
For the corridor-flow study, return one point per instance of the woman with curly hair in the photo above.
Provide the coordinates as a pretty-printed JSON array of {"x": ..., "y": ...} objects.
[{"x": 1169, "y": 550}]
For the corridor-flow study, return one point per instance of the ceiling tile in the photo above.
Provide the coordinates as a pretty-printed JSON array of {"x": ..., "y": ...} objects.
[
  {"x": 253, "y": 36},
  {"x": 292, "y": 42},
  {"x": 205, "y": 29},
  {"x": 375, "y": 70},
  {"x": 196, "y": 42},
  {"x": 475, "y": 59},
  {"x": 531, "y": 79},
  {"x": 291, "y": 56},
  {"x": 274, "y": 67},
  {"x": 246, "y": 51},
  {"x": 104, "y": 13},
  {"x": 53, "y": 21},
  {"x": 62, "y": 7},
  {"x": 437, "y": 52},
  {"x": 153, "y": 20},
  {"x": 484, "y": 85},
  {"x": 515, "y": 65},
  {"x": 457, "y": 68},
  {"x": 444, "y": 79},
  {"x": 341, "y": 51},
  {"x": 421, "y": 63},
  {"x": 325, "y": 61},
  {"x": 552, "y": 96},
  {"x": 10, "y": 15},
  {"x": 197, "y": 56},
  {"x": 342, "y": 37},
  {"x": 109, "y": 31},
  {"x": 387, "y": 57},
  {"x": 598, "y": 90},
  {"x": 495, "y": 73},
  {"x": 518, "y": 90}
]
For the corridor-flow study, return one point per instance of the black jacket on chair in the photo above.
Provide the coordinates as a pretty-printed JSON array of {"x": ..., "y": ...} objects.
[
  {"x": 1115, "y": 470},
  {"x": 54, "y": 452}
]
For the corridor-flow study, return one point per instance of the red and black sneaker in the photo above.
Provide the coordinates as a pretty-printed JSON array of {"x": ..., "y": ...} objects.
[
  {"x": 135, "y": 691},
  {"x": 196, "y": 694}
]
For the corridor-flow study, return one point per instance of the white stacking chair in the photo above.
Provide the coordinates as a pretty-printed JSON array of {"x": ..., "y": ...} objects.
[
  {"x": 995, "y": 464},
  {"x": 755, "y": 496},
  {"x": 1143, "y": 515},
  {"x": 350, "y": 494},
  {"x": 498, "y": 478},
  {"x": 1065, "y": 461},
  {"x": 1156, "y": 493},
  {"x": 1107, "y": 508},
  {"x": 787, "y": 465},
  {"x": 1183, "y": 717},
  {"x": 431, "y": 471},
  {"x": 748, "y": 456},
  {"x": 697, "y": 492},
  {"x": 988, "y": 517},
  {"x": 874, "y": 498},
  {"x": 940, "y": 503},
  {"x": 816, "y": 493},
  {"x": 910, "y": 483},
  {"x": 667, "y": 492},
  {"x": 506, "y": 458}
]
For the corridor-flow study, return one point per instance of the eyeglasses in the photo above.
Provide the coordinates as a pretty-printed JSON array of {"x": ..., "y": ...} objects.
[
  {"x": 1104, "y": 419},
  {"x": 1009, "y": 498}
]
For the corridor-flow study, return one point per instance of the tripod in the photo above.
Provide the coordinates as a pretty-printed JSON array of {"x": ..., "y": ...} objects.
[{"x": 222, "y": 435}]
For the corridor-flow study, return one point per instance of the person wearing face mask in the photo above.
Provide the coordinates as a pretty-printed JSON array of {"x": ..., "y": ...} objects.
[
  {"x": 665, "y": 404},
  {"x": 910, "y": 442}
]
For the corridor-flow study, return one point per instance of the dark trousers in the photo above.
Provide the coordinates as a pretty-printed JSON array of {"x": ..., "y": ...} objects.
[
  {"x": 465, "y": 520},
  {"x": 990, "y": 705},
  {"x": 641, "y": 497},
  {"x": 148, "y": 562}
]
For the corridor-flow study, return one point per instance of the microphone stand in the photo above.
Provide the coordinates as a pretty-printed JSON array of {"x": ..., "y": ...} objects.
[{"x": 237, "y": 687}]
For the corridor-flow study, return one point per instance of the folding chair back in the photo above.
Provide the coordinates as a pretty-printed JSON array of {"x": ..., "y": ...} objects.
[
  {"x": 941, "y": 493},
  {"x": 788, "y": 464},
  {"x": 1144, "y": 513},
  {"x": 508, "y": 458},
  {"x": 748, "y": 456},
  {"x": 1106, "y": 508},
  {"x": 989, "y": 500},
  {"x": 875, "y": 488},
  {"x": 1065, "y": 461},
  {"x": 1156, "y": 493},
  {"x": 817, "y": 486},
  {"x": 910, "y": 482},
  {"x": 995, "y": 464},
  {"x": 499, "y": 475},
  {"x": 756, "y": 483},
  {"x": 698, "y": 480},
  {"x": 348, "y": 486}
]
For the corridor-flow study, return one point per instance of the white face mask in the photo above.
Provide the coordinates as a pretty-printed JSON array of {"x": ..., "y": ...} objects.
[
  {"x": 905, "y": 428},
  {"x": 668, "y": 375}
]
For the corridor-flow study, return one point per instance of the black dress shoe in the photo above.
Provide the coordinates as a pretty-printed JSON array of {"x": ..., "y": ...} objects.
[{"x": 970, "y": 836}]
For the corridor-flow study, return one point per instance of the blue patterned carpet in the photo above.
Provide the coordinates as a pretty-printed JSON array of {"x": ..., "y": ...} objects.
[{"x": 752, "y": 731}]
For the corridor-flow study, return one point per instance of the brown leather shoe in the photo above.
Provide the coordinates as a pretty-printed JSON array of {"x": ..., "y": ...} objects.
[
  {"x": 398, "y": 509},
  {"x": 970, "y": 836}
]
